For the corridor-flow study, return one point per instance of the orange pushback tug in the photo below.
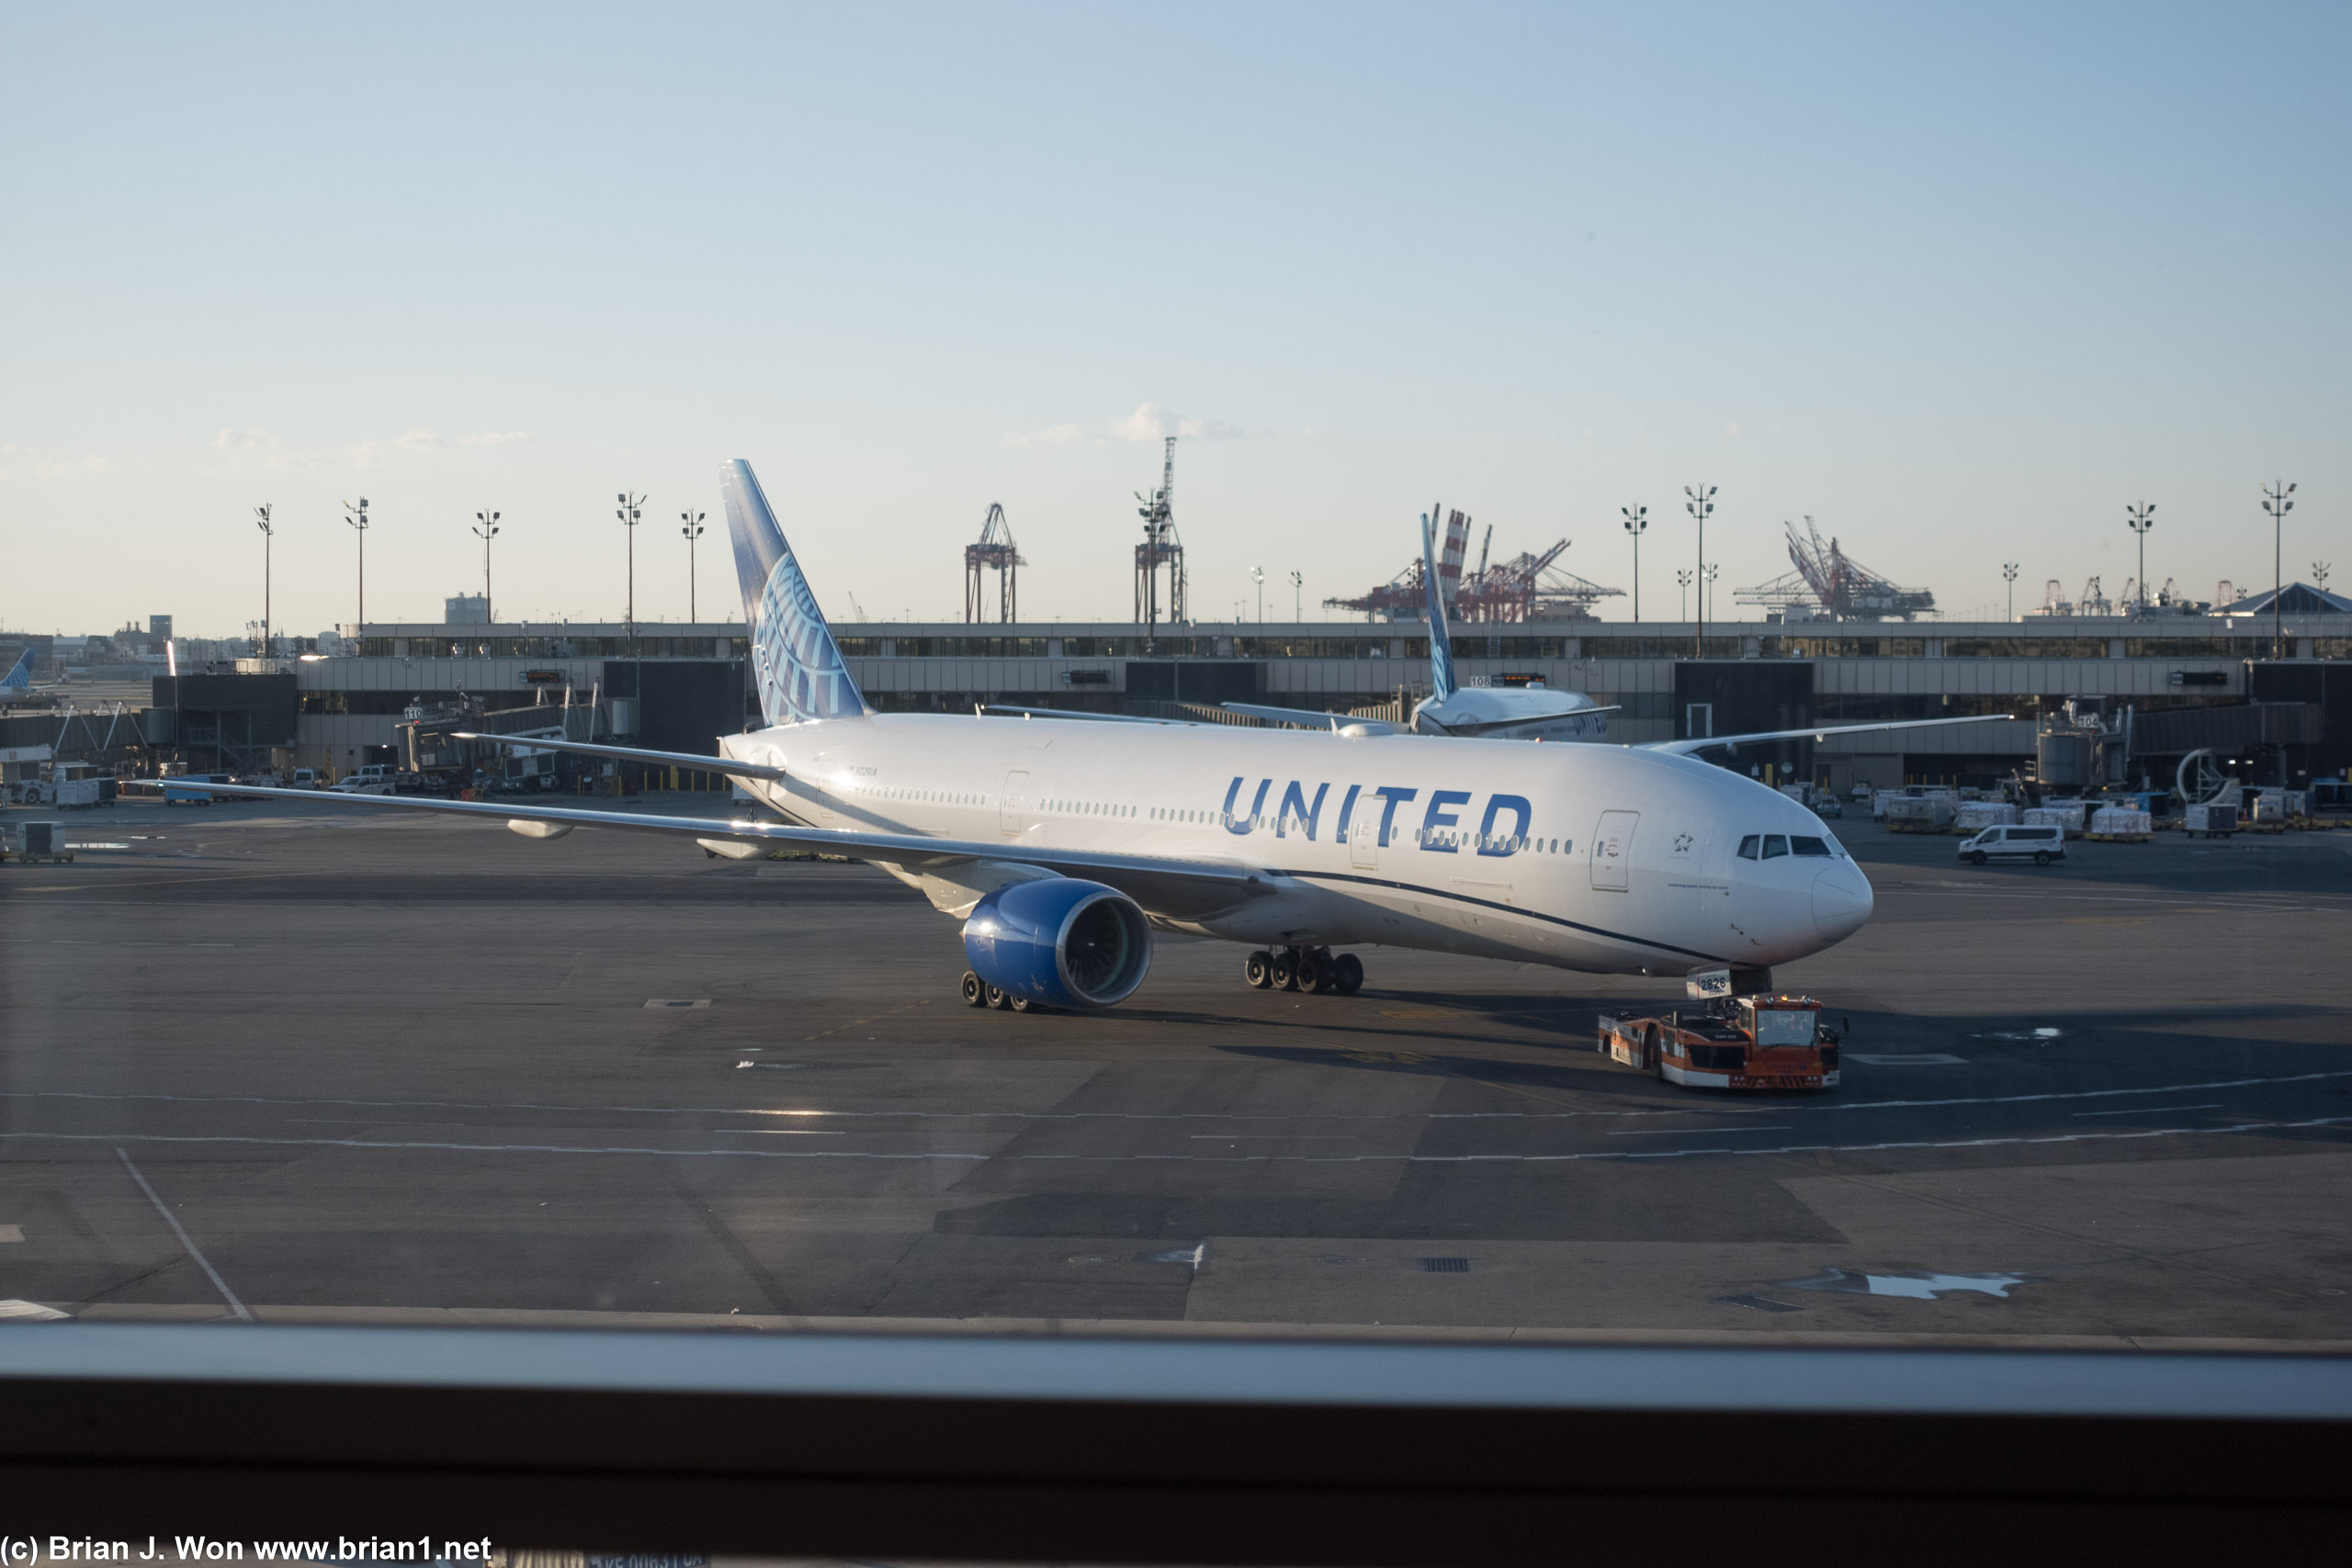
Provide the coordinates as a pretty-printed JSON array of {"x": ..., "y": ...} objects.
[{"x": 1746, "y": 1036}]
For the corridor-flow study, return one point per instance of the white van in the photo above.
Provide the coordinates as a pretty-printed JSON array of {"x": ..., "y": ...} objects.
[
  {"x": 374, "y": 778},
  {"x": 2039, "y": 844}
]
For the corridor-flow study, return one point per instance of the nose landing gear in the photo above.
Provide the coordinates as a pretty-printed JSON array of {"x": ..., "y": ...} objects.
[{"x": 1304, "y": 969}]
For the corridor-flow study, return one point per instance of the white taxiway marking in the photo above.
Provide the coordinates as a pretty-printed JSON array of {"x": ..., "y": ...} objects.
[
  {"x": 1886, "y": 1145},
  {"x": 2151, "y": 1110},
  {"x": 1682, "y": 1132},
  {"x": 1906, "y": 1059},
  {"x": 187, "y": 1245},
  {"x": 12, "y": 1233},
  {"x": 2206, "y": 1087}
]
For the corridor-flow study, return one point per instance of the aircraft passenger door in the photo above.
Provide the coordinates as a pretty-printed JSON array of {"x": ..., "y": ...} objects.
[
  {"x": 1363, "y": 843},
  {"x": 1613, "y": 850},
  {"x": 1012, "y": 804}
]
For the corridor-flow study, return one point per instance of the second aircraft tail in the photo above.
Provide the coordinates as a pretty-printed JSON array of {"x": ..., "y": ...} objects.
[{"x": 1440, "y": 645}]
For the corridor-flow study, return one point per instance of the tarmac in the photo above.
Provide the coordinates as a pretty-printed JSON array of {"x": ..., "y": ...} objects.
[{"x": 315, "y": 1062}]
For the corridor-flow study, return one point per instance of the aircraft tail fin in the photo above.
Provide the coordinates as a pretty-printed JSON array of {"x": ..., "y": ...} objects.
[
  {"x": 19, "y": 679},
  {"x": 798, "y": 666},
  {"x": 1440, "y": 645}
]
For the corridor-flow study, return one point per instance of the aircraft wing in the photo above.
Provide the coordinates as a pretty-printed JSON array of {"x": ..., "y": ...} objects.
[
  {"x": 1708, "y": 743},
  {"x": 1312, "y": 719},
  {"x": 1158, "y": 882},
  {"x": 1503, "y": 729},
  {"x": 1003, "y": 710},
  {"x": 727, "y": 765}
]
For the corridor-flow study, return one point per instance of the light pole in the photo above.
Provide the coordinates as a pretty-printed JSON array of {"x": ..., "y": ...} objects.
[
  {"x": 2140, "y": 518},
  {"x": 1701, "y": 501},
  {"x": 486, "y": 529},
  {"x": 1258, "y": 576},
  {"x": 693, "y": 531},
  {"x": 1297, "y": 593},
  {"x": 2276, "y": 503},
  {"x": 629, "y": 514},
  {"x": 261, "y": 521},
  {"x": 1707, "y": 589},
  {"x": 1682, "y": 581},
  {"x": 2009, "y": 575},
  {"x": 2319, "y": 575},
  {"x": 1637, "y": 519},
  {"x": 358, "y": 517}
]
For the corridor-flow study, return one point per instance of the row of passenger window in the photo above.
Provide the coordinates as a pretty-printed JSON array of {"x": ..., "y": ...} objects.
[{"x": 1772, "y": 846}]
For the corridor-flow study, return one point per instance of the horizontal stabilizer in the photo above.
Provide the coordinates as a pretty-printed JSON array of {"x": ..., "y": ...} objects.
[{"x": 1312, "y": 719}]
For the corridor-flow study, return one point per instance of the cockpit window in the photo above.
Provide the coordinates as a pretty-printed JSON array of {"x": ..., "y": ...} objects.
[
  {"x": 1775, "y": 845},
  {"x": 1750, "y": 846},
  {"x": 1809, "y": 846}
]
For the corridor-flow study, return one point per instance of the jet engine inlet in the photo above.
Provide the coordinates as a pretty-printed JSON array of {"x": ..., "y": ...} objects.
[{"x": 1059, "y": 942}]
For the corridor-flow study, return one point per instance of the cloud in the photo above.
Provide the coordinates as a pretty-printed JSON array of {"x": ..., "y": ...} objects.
[
  {"x": 410, "y": 442},
  {"x": 1152, "y": 422},
  {"x": 1148, "y": 422},
  {"x": 1055, "y": 435},
  {"x": 51, "y": 470},
  {"x": 243, "y": 442}
]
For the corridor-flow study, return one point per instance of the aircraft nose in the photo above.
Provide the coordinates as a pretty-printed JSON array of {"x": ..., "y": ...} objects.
[{"x": 1841, "y": 900}]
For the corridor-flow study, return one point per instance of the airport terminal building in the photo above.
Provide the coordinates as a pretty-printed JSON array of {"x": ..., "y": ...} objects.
[{"x": 2187, "y": 682}]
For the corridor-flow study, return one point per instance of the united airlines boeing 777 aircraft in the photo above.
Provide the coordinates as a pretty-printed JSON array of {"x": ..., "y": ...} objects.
[{"x": 1062, "y": 844}]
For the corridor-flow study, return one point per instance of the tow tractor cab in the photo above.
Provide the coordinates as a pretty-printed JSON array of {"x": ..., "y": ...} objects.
[{"x": 1745, "y": 1035}]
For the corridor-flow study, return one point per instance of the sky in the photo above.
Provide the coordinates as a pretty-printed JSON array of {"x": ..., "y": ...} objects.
[{"x": 1958, "y": 282}]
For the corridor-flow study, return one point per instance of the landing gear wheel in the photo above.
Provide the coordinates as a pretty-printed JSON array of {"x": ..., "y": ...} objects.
[
  {"x": 975, "y": 995},
  {"x": 1259, "y": 970},
  {"x": 1284, "y": 972},
  {"x": 1317, "y": 973},
  {"x": 996, "y": 999},
  {"x": 1346, "y": 974},
  {"x": 1023, "y": 1004}
]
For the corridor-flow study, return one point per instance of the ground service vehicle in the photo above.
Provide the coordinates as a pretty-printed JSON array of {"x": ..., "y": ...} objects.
[
  {"x": 2039, "y": 844},
  {"x": 374, "y": 778},
  {"x": 176, "y": 796},
  {"x": 2210, "y": 820},
  {"x": 1757, "y": 1040}
]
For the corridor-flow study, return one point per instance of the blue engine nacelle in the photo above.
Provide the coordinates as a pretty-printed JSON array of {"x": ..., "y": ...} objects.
[{"x": 1060, "y": 942}]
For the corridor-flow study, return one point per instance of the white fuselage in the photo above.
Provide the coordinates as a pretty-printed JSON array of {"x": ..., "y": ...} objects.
[
  {"x": 1534, "y": 712},
  {"x": 1595, "y": 858}
]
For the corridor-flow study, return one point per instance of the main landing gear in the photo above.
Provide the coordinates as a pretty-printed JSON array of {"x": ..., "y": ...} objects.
[
  {"x": 1304, "y": 969},
  {"x": 978, "y": 993}
]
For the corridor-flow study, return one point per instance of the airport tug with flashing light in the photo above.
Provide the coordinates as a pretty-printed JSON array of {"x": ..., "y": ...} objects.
[{"x": 1745, "y": 1035}]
